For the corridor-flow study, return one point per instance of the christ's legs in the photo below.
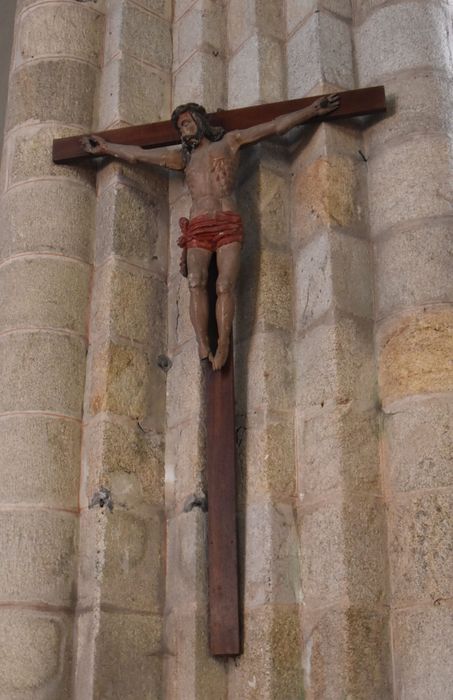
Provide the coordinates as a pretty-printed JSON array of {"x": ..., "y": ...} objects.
[
  {"x": 198, "y": 264},
  {"x": 228, "y": 260}
]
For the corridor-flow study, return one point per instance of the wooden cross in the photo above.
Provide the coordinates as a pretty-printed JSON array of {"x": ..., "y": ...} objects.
[{"x": 224, "y": 636}]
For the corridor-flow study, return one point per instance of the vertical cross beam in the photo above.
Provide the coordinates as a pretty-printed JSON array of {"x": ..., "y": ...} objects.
[
  {"x": 222, "y": 526},
  {"x": 223, "y": 579}
]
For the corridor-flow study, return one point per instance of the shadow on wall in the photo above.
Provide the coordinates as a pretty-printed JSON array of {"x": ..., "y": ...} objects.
[{"x": 7, "y": 11}]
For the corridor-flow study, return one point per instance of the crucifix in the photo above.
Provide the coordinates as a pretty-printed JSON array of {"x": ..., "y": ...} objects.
[{"x": 209, "y": 158}]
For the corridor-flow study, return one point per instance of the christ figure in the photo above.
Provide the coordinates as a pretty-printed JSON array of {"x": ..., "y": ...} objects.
[{"x": 209, "y": 158}]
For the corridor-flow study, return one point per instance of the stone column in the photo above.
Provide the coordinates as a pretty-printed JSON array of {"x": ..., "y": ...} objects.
[
  {"x": 121, "y": 567},
  {"x": 341, "y": 517},
  {"x": 45, "y": 269},
  {"x": 407, "y": 46},
  {"x": 270, "y": 587},
  {"x": 198, "y": 76}
]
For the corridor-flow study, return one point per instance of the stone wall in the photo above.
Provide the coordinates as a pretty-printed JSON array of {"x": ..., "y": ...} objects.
[{"x": 343, "y": 343}]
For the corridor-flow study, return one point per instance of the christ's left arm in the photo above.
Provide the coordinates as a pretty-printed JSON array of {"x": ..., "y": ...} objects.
[{"x": 282, "y": 124}]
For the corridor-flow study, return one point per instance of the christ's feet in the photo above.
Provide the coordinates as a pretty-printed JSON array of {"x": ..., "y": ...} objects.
[
  {"x": 221, "y": 355},
  {"x": 203, "y": 349}
]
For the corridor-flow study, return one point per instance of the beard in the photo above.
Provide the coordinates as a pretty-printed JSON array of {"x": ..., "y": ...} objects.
[{"x": 191, "y": 142}]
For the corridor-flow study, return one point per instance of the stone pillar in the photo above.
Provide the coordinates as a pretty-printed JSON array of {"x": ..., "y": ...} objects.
[
  {"x": 341, "y": 517},
  {"x": 45, "y": 269},
  {"x": 407, "y": 46},
  {"x": 270, "y": 587},
  {"x": 121, "y": 566},
  {"x": 198, "y": 76}
]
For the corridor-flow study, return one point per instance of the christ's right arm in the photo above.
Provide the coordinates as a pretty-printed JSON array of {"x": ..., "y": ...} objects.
[{"x": 165, "y": 157}]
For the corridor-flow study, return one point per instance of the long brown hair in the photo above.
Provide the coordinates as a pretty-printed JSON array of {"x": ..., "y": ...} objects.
[{"x": 200, "y": 117}]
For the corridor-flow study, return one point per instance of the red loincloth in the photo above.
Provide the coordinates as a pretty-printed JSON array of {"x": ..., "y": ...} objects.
[{"x": 209, "y": 233}]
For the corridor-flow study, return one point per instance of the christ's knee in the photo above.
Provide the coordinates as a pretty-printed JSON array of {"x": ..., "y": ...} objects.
[
  {"x": 224, "y": 286},
  {"x": 197, "y": 281}
]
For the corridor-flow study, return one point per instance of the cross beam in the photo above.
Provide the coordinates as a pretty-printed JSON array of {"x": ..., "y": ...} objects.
[{"x": 354, "y": 103}]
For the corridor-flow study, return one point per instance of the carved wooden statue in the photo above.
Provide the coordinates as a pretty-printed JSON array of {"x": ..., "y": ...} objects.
[{"x": 209, "y": 158}]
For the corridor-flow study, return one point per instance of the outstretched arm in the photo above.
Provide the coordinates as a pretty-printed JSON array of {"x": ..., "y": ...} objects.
[
  {"x": 165, "y": 157},
  {"x": 282, "y": 124}
]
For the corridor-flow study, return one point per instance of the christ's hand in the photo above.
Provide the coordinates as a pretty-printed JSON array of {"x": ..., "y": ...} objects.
[
  {"x": 325, "y": 105},
  {"x": 95, "y": 145}
]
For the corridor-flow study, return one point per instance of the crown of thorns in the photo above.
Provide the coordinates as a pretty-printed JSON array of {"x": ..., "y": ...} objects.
[{"x": 192, "y": 108}]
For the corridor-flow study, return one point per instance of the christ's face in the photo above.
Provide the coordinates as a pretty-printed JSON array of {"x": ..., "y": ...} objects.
[{"x": 189, "y": 130}]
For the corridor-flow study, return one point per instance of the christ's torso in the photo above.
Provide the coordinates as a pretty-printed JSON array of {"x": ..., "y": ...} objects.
[{"x": 210, "y": 176}]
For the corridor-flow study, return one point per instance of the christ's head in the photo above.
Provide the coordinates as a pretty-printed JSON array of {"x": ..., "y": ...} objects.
[{"x": 192, "y": 123}]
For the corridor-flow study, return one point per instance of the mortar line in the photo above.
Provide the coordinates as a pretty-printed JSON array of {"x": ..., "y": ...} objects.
[{"x": 47, "y": 414}]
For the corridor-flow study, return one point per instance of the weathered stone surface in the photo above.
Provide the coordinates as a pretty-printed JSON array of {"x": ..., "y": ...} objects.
[
  {"x": 337, "y": 449},
  {"x": 185, "y": 456},
  {"x": 139, "y": 34},
  {"x": 202, "y": 27},
  {"x": 264, "y": 290},
  {"x": 44, "y": 292},
  {"x": 40, "y": 461},
  {"x": 418, "y": 101},
  {"x": 187, "y": 583},
  {"x": 98, "y": 5},
  {"x": 180, "y": 328},
  {"x": 421, "y": 549},
  {"x": 47, "y": 217},
  {"x": 265, "y": 208},
  {"x": 327, "y": 193},
  {"x": 56, "y": 90},
  {"x": 418, "y": 446},
  {"x": 35, "y": 659},
  {"x": 203, "y": 78},
  {"x": 125, "y": 380},
  {"x": 415, "y": 354},
  {"x": 423, "y": 642},
  {"x": 255, "y": 73},
  {"x": 161, "y": 7},
  {"x": 42, "y": 372},
  {"x": 59, "y": 30},
  {"x": 240, "y": 23},
  {"x": 266, "y": 456},
  {"x": 133, "y": 92},
  {"x": 321, "y": 282},
  {"x": 129, "y": 304},
  {"x": 264, "y": 373},
  {"x": 181, "y": 6},
  {"x": 347, "y": 654},
  {"x": 123, "y": 551},
  {"x": 334, "y": 563},
  {"x": 298, "y": 10},
  {"x": 413, "y": 267},
  {"x": 409, "y": 180},
  {"x": 132, "y": 642},
  {"x": 270, "y": 665},
  {"x": 184, "y": 385},
  {"x": 270, "y": 554},
  {"x": 319, "y": 51},
  {"x": 270, "y": 17},
  {"x": 38, "y": 554},
  {"x": 31, "y": 155},
  {"x": 400, "y": 36},
  {"x": 128, "y": 226},
  {"x": 122, "y": 449},
  {"x": 334, "y": 365},
  {"x": 361, "y": 8},
  {"x": 191, "y": 671}
]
